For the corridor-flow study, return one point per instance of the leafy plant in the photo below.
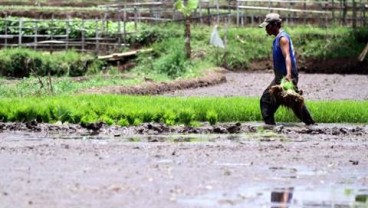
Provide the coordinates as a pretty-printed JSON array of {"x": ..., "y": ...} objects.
[{"x": 187, "y": 10}]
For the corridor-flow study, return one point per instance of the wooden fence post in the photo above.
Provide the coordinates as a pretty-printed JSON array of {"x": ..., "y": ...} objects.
[
  {"x": 35, "y": 34},
  {"x": 97, "y": 37},
  {"x": 67, "y": 30},
  {"x": 83, "y": 36},
  {"x": 364, "y": 9},
  {"x": 344, "y": 12},
  {"x": 304, "y": 14},
  {"x": 124, "y": 24},
  {"x": 105, "y": 22},
  {"x": 200, "y": 11},
  {"x": 6, "y": 31},
  {"x": 119, "y": 28},
  {"x": 354, "y": 15},
  {"x": 218, "y": 11},
  {"x": 135, "y": 17},
  {"x": 20, "y": 32},
  {"x": 209, "y": 15},
  {"x": 333, "y": 10},
  {"x": 237, "y": 13}
]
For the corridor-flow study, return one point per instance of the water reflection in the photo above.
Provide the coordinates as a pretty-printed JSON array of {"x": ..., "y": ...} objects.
[
  {"x": 362, "y": 198},
  {"x": 287, "y": 197},
  {"x": 281, "y": 198}
]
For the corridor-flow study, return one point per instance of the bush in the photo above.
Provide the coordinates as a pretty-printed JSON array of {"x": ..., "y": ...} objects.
[
  {"x": 25, "y": 62},
  {"x": 168, "y": 59}
]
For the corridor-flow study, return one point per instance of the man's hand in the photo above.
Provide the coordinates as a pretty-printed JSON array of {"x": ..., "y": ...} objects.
[{"x": 288, "y": 77}]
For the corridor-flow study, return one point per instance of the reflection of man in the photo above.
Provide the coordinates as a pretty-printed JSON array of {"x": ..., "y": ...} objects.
[
  {"x": 284, "y": 65},
  {"x": 281, "y": 198}
]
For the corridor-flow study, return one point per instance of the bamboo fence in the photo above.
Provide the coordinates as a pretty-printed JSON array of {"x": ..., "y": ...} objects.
[{"x": 240, "y": 12}]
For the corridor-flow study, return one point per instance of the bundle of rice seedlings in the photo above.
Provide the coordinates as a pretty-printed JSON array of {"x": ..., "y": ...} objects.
[{"x": 286, "y": 95}]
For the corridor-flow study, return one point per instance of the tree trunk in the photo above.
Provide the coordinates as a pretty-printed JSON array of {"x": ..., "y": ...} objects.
[{"x": 187, "y": 37}]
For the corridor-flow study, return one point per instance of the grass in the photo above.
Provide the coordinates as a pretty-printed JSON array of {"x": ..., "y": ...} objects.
[
  {"x": 28, "y": 87},
  {"x": 133, "y": 110}
]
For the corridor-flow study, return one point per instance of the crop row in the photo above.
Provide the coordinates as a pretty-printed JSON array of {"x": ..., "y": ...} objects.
[
  {"x": 134, "y": 110},
  {"x": 74, "y": 28}
]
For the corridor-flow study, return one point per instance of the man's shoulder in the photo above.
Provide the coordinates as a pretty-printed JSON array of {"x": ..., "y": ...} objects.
[{"x": 284, "y": 40}]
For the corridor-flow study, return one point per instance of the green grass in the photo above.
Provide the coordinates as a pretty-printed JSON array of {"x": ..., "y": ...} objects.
[
  {"x": 28, "y": 87},
  {"x": 133, "y": 110}
]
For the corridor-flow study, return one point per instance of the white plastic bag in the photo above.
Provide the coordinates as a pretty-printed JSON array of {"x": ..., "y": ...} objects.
[{"x": 216, "y": 39}]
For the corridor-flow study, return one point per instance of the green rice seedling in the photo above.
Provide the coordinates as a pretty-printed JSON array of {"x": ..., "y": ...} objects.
[
  {"x": 123, "y": 122},
  {"x": 60, "y": 113},
  {"x": 212, "y": 117},
  {"x": 106, "y": 119},
  {"x": 287, "y": 85},
  {"x": 26, "y": 113},
  {"x": 44, "y": 114},
  {"x": 132, "y": 110},
  {"x": 5, "y": 112},
  {"x": 169, "y": 118},
  {"x": 158, "y": 116},
  {"x": 137, "y": 122},
  {"x": 186, "y": 116},
  {"x": 90, "y": 118}
]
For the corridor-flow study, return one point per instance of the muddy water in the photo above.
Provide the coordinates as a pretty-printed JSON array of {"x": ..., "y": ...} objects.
[{"x": 283, "y": 167}]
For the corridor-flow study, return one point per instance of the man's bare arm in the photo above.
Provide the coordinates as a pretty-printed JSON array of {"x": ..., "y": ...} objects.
[{"x": 285, "y": 48}]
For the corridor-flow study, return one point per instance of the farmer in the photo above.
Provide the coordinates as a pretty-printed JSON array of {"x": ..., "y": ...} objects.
[{"x": 284, "y": 65}]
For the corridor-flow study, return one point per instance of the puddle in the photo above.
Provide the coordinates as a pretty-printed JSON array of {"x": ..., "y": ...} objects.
[
  {"x": 192, "y": 138},
  {"x": 288, "y": 187},
  {"x": 287, "y": 197}
]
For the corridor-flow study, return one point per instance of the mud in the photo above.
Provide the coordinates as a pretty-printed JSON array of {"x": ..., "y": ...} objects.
[
  {"x": 156, "y": 129},
  {"x": 227, "y": 165},
  {"x": 321, "y": 166}
]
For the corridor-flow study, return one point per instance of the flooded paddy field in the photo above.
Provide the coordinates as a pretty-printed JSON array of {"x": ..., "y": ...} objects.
[
  {"x": 289, "y": 165},
  {"x": 227, "y": 165}
]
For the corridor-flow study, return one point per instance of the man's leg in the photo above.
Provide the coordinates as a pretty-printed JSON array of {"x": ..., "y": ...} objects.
[
  {"x": 268, "y": 108},
  {"x": 304, "y": 115}
]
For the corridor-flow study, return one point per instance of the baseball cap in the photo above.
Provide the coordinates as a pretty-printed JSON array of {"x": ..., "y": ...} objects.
[{"x": 271, "y": 17}]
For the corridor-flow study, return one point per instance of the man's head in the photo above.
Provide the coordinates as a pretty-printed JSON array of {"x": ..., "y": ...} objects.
[{"x": 272, "y": 23}]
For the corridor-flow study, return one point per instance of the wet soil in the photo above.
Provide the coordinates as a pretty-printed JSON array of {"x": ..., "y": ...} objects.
[
  {"x": 227, "y": 165},
  {"x": 48, "y": 168}
]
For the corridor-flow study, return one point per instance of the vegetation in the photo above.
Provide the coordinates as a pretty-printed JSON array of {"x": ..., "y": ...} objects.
[
  {"x": 187, "y": 9},
  {"x": 133, "y": 110},
  {"x": 21, "y": 63},
  {"x": 167, "y": 62}
]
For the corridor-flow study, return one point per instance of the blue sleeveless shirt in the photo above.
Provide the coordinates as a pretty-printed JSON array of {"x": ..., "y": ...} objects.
[{"x": 279, "y": 65}]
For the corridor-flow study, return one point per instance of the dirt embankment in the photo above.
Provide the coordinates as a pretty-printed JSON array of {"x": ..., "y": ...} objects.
[
  {"x": 212, "y": 77},
  {"x": 226, "y": 83}
]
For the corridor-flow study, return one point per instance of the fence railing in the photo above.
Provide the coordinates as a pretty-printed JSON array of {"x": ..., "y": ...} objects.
[
  {"x": 251, "y": 12},
  {"x": 57, "y": 35},
  {"x": 239, "y": 12}
]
